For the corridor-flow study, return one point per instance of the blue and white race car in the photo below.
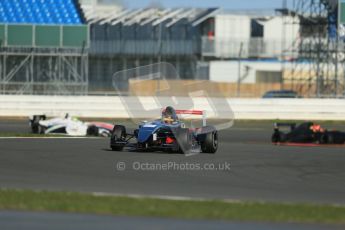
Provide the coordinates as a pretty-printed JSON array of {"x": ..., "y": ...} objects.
[{"x": 167, "y": 134}]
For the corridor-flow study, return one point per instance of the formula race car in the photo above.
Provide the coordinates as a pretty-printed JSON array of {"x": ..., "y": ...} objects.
[
  {"x": 168, "y": 134},
  {"x": 307, "y": 132},
  {"x": 69, "y": 126}
]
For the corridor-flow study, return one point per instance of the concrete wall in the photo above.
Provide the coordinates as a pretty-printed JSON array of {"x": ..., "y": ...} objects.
[
  {"x": 213, "y": 88},
  {"x": 112, "y": 107}
]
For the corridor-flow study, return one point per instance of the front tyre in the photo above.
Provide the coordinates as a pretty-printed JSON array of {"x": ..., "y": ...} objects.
[
  {"x": 276, "y": 137},
  {"x": 118, "y": 138}
]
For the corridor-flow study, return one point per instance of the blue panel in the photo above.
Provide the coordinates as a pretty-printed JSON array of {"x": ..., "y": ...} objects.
[{"x": 39, "y": 12}]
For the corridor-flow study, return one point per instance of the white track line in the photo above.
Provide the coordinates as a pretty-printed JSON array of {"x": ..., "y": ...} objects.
[
  {"x": 185, "y": 198},
  {"x": 164, "y": 197}
]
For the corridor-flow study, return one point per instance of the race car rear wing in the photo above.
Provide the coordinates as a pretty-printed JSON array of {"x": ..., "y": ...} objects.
[
  {"x": 278, "y": 125},
  {"x": 194, "y": 112}
]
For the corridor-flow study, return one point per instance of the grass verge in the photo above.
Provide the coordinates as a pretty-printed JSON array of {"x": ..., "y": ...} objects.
[{"x": 151, "y": 207}]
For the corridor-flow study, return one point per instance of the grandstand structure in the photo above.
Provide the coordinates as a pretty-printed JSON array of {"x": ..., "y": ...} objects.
[
  {"x": 75, "y": 47},
  {"x": 317, "y": 68},
  {"x": 136, "y": 37},
  {"x": 188, "y": 38},
  {"x": 43, "y": 47}
]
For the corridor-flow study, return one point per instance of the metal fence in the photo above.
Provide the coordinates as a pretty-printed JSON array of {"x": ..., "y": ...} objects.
[
  {"x": 252, "y": 47},
  {"x": 219, "y": 48},
  {"x": 144, "y": 47}
]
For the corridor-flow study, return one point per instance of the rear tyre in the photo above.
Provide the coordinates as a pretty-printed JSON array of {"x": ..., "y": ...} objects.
[
  {"x": 35, "y": 124},
  {"x": 92, "y": 131},
  {"x": 325, "y": 138},
  {"x": 41, "y": 129},
  {"x": 118, "y": 135},
  {"x": 335, "y": 137},
  {"x": 330, "y": 139},
  {"x": 210, "y": 143},
  {"x": 35, "y": 128}
]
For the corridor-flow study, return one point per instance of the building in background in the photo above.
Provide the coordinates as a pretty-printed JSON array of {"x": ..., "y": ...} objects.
[
  {"x": 188, "y": 38},
  {"x": 296, "y": 48}
]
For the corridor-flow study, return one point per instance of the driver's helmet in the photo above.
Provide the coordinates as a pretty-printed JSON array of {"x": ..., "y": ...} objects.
[
  {"x": 169, "y": 115},
  {"x": 75, "y": 119},
  {"x": 316, "y": 128}
]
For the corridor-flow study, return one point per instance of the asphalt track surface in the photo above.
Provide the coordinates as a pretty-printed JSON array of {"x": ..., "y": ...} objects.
[{"x": 258, "y": 170}]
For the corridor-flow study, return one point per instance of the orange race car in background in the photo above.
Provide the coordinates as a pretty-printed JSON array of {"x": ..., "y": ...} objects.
[{"x": 307, "y": 132}]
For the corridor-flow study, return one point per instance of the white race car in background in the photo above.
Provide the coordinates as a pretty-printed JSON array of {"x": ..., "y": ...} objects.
[{"x": 69, "y": 126}]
